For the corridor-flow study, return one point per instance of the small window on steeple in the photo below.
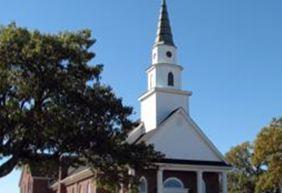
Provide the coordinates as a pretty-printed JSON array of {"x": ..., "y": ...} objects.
[
  {"x": 169, "y": 54},
  {"x": 170, "y": 79}
]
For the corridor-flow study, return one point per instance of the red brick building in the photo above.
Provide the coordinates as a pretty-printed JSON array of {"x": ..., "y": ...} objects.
[
  {"x": 192, "y": 163},
  {"x": 33, "y": 181}
]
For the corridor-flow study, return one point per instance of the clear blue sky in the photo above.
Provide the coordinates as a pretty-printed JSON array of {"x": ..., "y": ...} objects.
[{"x": 231, "y": 52}]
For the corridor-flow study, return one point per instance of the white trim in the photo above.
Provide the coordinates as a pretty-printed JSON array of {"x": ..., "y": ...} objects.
[
  {"x": 194, "y": 168},
  {"x": 197, "y": 129},
  {"x": 204, "y": 185},
  {"x": 135, "y": 133},
  {"x": 224, "y": 182},
  {"x": 206, "y": 139},
  {"x": 165, "y": 90},
  {"x": 202, "y": 135},
  {"x": 135, "y": 129},
  {"x": 200, "y": 181},
  {"x": 160, "y": 180},
  {"x": 153, "y": 66},
  {"x": 75, "y": 177}
]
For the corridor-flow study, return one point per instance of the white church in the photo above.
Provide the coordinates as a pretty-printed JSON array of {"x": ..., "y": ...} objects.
[{"x": 192, "y": 164}]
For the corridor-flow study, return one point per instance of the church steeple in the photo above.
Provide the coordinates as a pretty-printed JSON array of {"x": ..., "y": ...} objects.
[
  {"x": 164, "y": 33},
  {"x": 164, "y": 93},
  {"x": 164, "y": 50}
]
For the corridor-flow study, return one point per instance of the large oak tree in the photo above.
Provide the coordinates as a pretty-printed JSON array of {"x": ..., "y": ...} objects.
[{"x": 52, "y": 103}]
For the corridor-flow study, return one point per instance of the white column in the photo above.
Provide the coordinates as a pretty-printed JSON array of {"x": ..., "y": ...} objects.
[
  {"x": 200, "y": 182},
  {"x": 121, "y": 190},
  {"x": 224, "y": 182},
  {"x": 160, "y": 180},
  {"x": 131, "y": 172}
]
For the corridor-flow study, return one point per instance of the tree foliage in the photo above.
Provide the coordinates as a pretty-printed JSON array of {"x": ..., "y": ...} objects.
[
  {"x": 244, "y": 175},
  {"x": 258, "y": 166},
  {"x": 268, "y": 152},
  {"x": 52, "y": 103}
]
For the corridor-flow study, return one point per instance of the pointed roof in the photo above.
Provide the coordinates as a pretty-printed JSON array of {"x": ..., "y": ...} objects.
[
  {"x": 164, "y": 34},
  {"x": 191, "y": 138}
]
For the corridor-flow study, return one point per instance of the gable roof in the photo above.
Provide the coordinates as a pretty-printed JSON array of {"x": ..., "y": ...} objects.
[
  {"x": 145, "y": 136},
  {"x": 148, "y": 137}
]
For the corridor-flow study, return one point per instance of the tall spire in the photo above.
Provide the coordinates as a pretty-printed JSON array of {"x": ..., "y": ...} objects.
[{"x": 164, "y": 34}]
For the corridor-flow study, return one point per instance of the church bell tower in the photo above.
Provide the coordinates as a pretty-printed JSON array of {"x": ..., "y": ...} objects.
[{"x": 164, "y": 93}]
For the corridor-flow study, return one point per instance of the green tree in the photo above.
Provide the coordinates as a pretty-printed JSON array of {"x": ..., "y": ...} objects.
[
  {"x": 268, "y": 152},
  {"x": 258, "y": 166},
  {"x": 243, "y": 177},
  {"x": 52, "y": 103}
]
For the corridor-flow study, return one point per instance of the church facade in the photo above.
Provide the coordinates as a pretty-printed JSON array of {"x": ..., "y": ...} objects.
[{"x": 192, "y": 164}]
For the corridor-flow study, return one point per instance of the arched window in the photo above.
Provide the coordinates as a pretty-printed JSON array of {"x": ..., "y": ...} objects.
[
  {"x": 143, "y": 186},
  {"x": 170, "y": 79},
  {"x": 173, "y": 183}
]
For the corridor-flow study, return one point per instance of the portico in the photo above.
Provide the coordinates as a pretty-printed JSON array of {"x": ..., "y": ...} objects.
[{"x": 200, "y": 171}]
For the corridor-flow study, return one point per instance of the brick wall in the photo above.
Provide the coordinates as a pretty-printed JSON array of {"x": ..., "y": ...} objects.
[
  {"x": 83, "y": 186},
  {"x": 30, "y": 184},
  {"x": 212, "y": 182},
  {"x": 33, "y": 185},
  {"x": 41, "y": 186}
]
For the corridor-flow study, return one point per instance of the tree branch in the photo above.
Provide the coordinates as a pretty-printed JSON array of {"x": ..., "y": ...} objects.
[{"x": 8, "y": 166}]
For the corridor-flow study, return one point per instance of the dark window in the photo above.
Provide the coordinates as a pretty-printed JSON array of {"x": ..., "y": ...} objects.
[
  {"x": 173, "y": 183},
  {"x": 170, "y": 79},
  {"x": 169, "y": 54},
  {"x": 143, "y": 185}
]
